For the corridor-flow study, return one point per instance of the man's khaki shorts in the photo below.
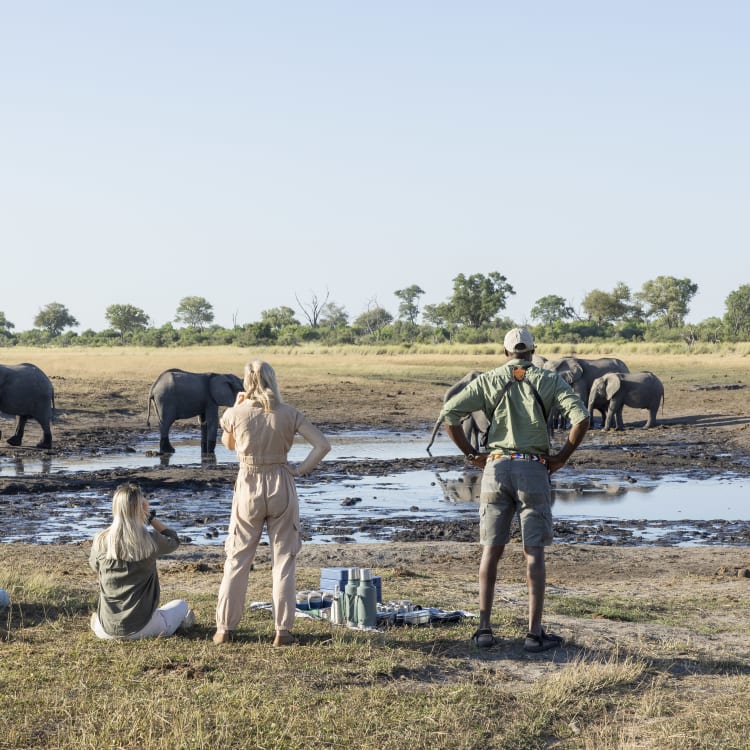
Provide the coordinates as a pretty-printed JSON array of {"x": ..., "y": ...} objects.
[{"x": 510, "y": 487}]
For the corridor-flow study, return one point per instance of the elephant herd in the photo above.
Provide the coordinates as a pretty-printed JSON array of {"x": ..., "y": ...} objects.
[
  {"x": 605, "y": 385},
  {"x": 27, "y": 393}
]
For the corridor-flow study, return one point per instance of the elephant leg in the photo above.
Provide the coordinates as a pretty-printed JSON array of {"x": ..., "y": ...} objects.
[
  {"x": 212, "y": 430},
  {"x": 205, "y": 437},
  {"x": 651, "y": 421},
  {"x": 164, "y": 445},
  {"x": 472, "y": 432},
  {"x": 610, "y": 417},
  {"x": 46, "y": 442},
  {"x": 17, "y": 437},
  {"x": 619, "y": 423}
]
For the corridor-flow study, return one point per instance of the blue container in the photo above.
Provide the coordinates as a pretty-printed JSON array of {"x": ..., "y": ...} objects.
[{"x": 331, "y": 577}]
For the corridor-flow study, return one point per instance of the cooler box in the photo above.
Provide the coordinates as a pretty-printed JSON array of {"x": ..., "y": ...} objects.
[{"x": 331, "y": 577}]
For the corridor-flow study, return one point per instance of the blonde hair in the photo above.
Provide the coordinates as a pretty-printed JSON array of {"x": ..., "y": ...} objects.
[
  {"x": 260, "y": 384},
  {"x": 127, "y": 538}
]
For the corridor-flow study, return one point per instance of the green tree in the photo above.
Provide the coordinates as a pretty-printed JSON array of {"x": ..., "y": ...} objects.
[
  {"x": 6, "y": 327},
  {"x": 373, "y": 319},
  {"x": 333, "y": 316},
  {"x": 439, "y": 315},
  {"x": 278, "y": 318},
  {"x": 737, "y": 315},
  {"x": 408, "y": 308},
  {"x": 54, "y": 318},
  {"x": 668, "y": 299},
  {"x": 547, "y": 310},
  {"x": 608, "y": 307},
  {"x": 195, "y": 312},
  {"x": 477, "y": 299},
  {"x": 126, "y": 319}
]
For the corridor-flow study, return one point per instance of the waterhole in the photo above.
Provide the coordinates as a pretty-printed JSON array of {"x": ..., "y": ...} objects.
[{"x": 349, "y": 503}]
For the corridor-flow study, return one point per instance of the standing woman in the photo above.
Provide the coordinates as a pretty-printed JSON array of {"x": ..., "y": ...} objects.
[
  {"x": 260, "y": 427},
  {"x": 124, "y": 556}
]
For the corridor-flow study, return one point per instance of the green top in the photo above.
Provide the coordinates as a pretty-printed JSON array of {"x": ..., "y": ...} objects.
[
  {"x": 517, "y": 421},
  {"x": 129, "y": 591}
]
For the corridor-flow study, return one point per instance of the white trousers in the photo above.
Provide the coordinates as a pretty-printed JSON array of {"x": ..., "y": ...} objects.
[{"x": 164, "y": 621}]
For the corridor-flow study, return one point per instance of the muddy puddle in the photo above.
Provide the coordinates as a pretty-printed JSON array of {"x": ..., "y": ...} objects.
[{"x": 409, "y": 505}]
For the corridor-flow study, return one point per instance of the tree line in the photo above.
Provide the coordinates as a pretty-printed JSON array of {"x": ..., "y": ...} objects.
[{"x": 472, "y": 314}]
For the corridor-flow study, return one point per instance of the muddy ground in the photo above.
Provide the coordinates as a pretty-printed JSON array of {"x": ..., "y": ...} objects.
[{"x": 703, "y": 431}]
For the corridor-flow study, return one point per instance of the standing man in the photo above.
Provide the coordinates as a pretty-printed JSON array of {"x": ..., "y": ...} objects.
[{"x": 517, "y": 397}]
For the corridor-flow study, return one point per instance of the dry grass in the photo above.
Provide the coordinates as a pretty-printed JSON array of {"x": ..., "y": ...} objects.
[{"x": 429, "y": 687}]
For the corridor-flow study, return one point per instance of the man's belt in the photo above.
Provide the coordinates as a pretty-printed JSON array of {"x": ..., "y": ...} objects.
[{"x": 521, "y": 456}]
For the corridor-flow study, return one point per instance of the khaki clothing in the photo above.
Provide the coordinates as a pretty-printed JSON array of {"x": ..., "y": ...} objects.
[
  {"x": 264, "y": 495},
  {"x": 510, "y": 487}
]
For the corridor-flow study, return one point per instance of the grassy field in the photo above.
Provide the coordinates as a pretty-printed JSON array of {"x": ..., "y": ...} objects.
[
  {"x": 656, "y": 656},
  {"x": 653, "y": 677},
  {"x": 421, "y": 363}
]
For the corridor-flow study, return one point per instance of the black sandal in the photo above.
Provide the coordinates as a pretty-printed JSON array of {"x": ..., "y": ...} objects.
[
  {"x": 544, "y": 642},
  {"x": 484, "y": 638}
]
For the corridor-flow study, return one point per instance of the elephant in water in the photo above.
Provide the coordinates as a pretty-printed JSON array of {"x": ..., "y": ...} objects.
[
  {"x": 177, "y": 394},
  {"x": 475, "y": 426},
  {"x": 638, "y": 390},
  {"x": 27, "y": 393}
]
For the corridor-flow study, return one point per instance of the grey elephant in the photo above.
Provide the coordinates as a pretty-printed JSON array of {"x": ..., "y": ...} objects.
[
  {"x": 177, "y": 394},
  {"x": 27, "y": 393},
  {"x": 579, "y": 373},
  {"x": 638, "y": 390},
  {"x": 475, "y": 426}
]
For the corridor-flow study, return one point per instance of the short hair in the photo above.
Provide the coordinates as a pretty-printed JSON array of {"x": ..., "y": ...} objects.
[{"x": 260, "y": 384}]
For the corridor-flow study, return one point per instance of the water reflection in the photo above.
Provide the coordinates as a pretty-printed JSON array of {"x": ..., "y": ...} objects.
[{"x": 466, "y": 488}]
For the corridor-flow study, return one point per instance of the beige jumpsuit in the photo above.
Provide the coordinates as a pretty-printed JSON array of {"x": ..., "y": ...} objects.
[{"x": 264, "y": 493}]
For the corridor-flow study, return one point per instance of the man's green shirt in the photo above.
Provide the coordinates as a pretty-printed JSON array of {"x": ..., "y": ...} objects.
[{"x": 517, "y": 420}]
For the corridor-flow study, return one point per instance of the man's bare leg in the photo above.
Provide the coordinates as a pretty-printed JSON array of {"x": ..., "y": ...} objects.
[
  {"x": 536, "y": 579},
  {"x": 487, "y": 577}
]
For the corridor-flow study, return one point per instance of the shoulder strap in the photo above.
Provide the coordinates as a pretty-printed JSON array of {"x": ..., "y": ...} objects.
[{"x": 519, "y": 375}]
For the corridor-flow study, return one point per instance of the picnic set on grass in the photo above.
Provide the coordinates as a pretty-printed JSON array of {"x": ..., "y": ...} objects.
[{"x": 353, "y": 598}]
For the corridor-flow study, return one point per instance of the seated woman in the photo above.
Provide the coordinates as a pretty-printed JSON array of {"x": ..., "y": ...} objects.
[{"x": 124, "y": 556}]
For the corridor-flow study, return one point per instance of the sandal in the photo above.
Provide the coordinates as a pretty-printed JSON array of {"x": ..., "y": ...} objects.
[
  {"x": 536, "y": 643},
  {"x": 484, "y": 638}
]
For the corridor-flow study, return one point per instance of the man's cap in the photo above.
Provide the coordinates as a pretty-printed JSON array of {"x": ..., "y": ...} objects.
[{"x": 519, "y": 340}]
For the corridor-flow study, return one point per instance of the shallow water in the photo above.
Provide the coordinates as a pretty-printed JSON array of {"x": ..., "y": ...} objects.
[
  {"x": 345, "y": 446},
  {"x": 350, "y": 501}
]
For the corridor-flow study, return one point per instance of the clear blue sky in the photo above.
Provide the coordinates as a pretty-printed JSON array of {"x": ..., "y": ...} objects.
[{"x": 247, "y": 151}]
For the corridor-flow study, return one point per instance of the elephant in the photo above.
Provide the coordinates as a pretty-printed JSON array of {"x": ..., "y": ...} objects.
[
  {"x": 475, "y": 426},
  {"x": 638, "y": 390},
  {"x": 177, "y": 394},
  {"x": 579, "y": 374},
  {"x": 27, "y": 393}
]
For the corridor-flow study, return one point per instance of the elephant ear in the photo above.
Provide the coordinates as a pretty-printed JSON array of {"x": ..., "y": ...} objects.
[
  {"x": 611, "y": 385},
  {"x": 576, "y": 372},
  {"x": 221, "y": 390}
]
